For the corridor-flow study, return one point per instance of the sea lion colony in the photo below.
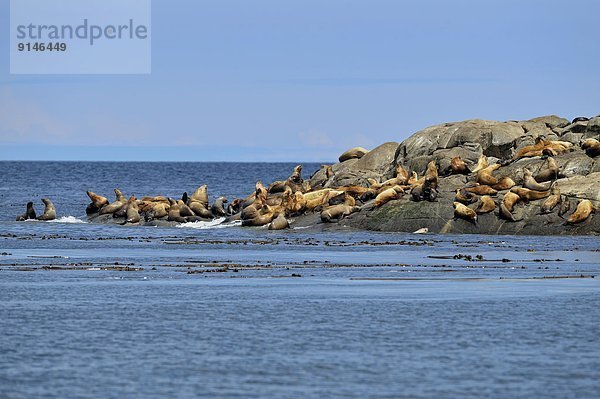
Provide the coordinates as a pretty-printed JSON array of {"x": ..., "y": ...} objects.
[{"x": 488, "y": 190}]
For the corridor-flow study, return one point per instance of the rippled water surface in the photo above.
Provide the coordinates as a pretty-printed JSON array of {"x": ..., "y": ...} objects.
[{"x": 90, "y": 310}]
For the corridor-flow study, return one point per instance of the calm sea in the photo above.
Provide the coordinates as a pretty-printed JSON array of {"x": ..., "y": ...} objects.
[{"x": 97, "y": 311}]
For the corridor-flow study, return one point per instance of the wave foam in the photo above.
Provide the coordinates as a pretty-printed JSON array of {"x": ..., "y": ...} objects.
[
  {"x": 213, "y": 224},
  {"x": 67, "y": 219}
]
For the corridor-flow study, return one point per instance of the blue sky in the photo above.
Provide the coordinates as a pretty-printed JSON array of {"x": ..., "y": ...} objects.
[{"x": 305, "y": 80}]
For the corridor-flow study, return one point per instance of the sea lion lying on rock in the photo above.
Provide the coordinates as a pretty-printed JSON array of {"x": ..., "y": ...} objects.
[
  {"x": 97, "y": 203},
  {"x": 464, "y": 212},
  {"x": 582, "y": 213},
  {"x": 551, "y": 201},
  {"x": 116, "y": 205},
  {"x": 389, "y": 194},
  {"x": 591, "y": 147},
  {"x": 353, "y": 153},
  {"x": 507, "y": 206},
  {"x": 337, "y": 212}
]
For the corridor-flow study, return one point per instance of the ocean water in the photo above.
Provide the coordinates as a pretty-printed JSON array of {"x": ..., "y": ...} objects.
[{"x": 221, "y": 311}]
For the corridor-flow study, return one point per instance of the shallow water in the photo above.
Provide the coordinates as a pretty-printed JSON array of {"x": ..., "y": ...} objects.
[{"x": 110, "y": 311}]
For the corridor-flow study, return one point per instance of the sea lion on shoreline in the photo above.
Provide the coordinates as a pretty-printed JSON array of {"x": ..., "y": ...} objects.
[
  {"x": 234, "y": 206},
  {"x": 98, "y": 202},
  {"x": 486, "y": 205},
  {"x": 481, "y": 189},
  {"x": 218, "y": 207},
  {"x": 156, "y": 210},
  {"x": 174, "y": 214},
  {"x": 565, "y": 206},
  {"x": 485, "y": 177},
  {"x": 482, "y": 163},
  {"x": 551, "y": 172},
  {"x": 465, "y": 197},
  {"x": 458, "y": 166},
  {"x": 200, "y": 195},
  {"x": 464, "y": 212},
  {"x": 353, "y": 153},
  {"x": 132, "y": 214},
  {"x": 432, "y": 175},
  {"x": 115, "y": 206},
  {"x": 402, "y": 175},
  {"x": 337, "y": 212},
  {"x": 185, "y": 210},
  {"x": 530, "y": 195},
  {"x": 279, "y": 223},
  {"x": 49, "y": 210},
  {"x": 591, "y": 147},
  {"x": 551, "y": 201},
  {"x": 29, "y": 213},
  {"x": 264, "y": 215},
  {"x": 390, "y": 194},
  {"x": 507, "y": 206},
  {"x": 530, "y": 183},
  {"x": 505, "y": 183},
  {"x": 583, "y": 211}
]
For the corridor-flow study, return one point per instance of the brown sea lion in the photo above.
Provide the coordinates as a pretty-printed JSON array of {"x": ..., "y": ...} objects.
[
  {"x": 174, "y": 214},
  {"x": 218, "y": 207},
  {"x": 529, "y": 195},
  {"x": 458, "y": 166},
  {"x": 551, "y": 201},
  {"x": 184, "y": 209},
  {"x": 98, "y": 202},
  {"x": 156, "y": 210},
  {"x": 481, "y": 189},
  {"x": 234, "y": 207},
  {"x": 565, "y": 206},
  {"x": 115, "y": 206},
  {"x": 465, "y": 197},
  {"x": 201, "y": 195},
  {"x": 353, "y": 153},
  {"x": 328, "y": 171},
  {"x": 402, "y": 175},
  {"x": 486, "y": 205},
  {"x": 432, "y": 175},
  {"x": 132, "y": 213},
  {"x": 550, "y": 172},
  {"x": 413, "y": 179},
  {"x": 482, "y": 163},
  {"x": 277, "y": 187},
  {"x": 49, "y": 210},
  {"x": 530, "y": 183},
  {"x": 29, "y": 213},
  {"x": 507, "y": 206},
  {"x": 337, "y": 212},
  {"x": 265, "y": 215},
  {"x": 200, "y": 210},
  {"x": 122, "y": 211},
  {"x": 584, "y": 209},
  {"x": 390, "y": 194},
  {"x": 485, "y": 177},
  {"x": 591, "y": 147},
  {"x": 279, "y": 223},
  {"x": 464, "y": 212},
  {"x": 504, "y": 183}
]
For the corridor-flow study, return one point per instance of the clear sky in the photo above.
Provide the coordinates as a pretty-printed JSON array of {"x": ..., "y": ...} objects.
[{"x": 305, "y": 80}]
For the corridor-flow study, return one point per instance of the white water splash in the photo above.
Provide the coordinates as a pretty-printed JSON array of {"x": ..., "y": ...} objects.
[
  {"x": 67, "y": 219},
  {"x": 213, "y": 224}
]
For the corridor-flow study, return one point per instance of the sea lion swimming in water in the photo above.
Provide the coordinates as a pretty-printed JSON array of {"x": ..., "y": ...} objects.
[
  {"x": 530, "y": 183},
  {"x": 98, "y": 202},
  {"x": 29, "y": 213},
  {"x": 582, "y": 213},
  {"x": 49, "y": 210}
]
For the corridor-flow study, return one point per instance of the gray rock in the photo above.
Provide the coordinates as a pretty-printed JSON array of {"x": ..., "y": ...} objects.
[{"x": 551, "y": 121}]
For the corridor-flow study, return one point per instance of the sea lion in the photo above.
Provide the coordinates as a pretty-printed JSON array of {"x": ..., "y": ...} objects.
[
  {"x": 201, "y": 195},
  {"x": 580, "y": 119},
  {"x": 296, "y": 176},
  {"x": 464, "y": 212},
  {"x": 583, "y": 211},
  {"x": 565, "y": 206},
  {"x": 482, "y": 163},
  {"x": 132, "y": 214},
  {"x": 353, "y": 153},
  {"x": 200, "y": 210},
  {"x": 505, "y": 183},
  {"x": 486, "y": 205},
  {"x": 485, "y": 177},
  {"x": 328, "y": 171},
  {"x": 465, "y": 197},
  {"x": 115, "y": 206},
  {"x": 277, "y": 187},
  {"x": 413, "y": 179},
  {"x": 264, "y": 215},
  {"x": 530, "y": 183},
  {"x": 157, "y": 210},
  {"x": 402, "y": 175},
  {"x": 458, "y": 166},
  {"x": 337, "y": 212},
  {"x": 507, "y": 206},
  {"x": 174, "y": 214},
  {"x": 49, "y": 210},
  {"x": 234, "y": 207},
  {"x": 390, "y": 194},
  {"x": 481, "y": 189},
  {"x": 29, "y": 213},
  {"x": 551, "y": 172},
  {"x": 98, "y": 202},
  {"x": 529, "y": 195},
  {"x": 431, "y": 174},
  {"x": 122, "y": 211},
  {"x": 218, "y": 208},
  {"x": 279, "y": 223},
  {"x": 551, "y": 201},
  {"x": 591, "y": 147},
  {"x": 185, "y": 210}
]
